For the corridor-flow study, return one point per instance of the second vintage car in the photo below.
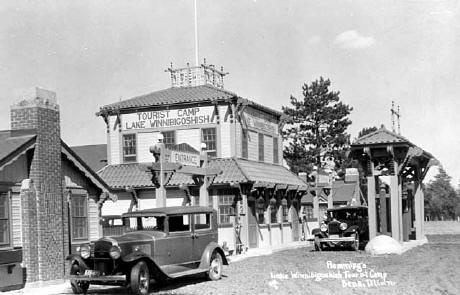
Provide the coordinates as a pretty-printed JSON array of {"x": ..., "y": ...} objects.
[
  {"x": 343, "y": 227},
  {"x": 157, "y": 245}
]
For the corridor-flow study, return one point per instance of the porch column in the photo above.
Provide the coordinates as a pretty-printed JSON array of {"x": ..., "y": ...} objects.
[
  {"x": 204, "y": 193},
  {"x": 419, "y": 211},
  {"x": 371, "y": 207},
  {"x": 396, "y": 212}
]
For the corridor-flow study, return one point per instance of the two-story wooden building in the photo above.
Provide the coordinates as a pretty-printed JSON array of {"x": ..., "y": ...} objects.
[{"x": 242, "y": 140}]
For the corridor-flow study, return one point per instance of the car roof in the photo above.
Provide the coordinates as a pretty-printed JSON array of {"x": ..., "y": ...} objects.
[
  {"x": 347, "y": 207},
  {"x": 163, "y": 211}
]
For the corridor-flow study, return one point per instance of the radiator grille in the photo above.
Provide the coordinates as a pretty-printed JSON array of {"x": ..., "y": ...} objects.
[{"x": 334, "y": 228}]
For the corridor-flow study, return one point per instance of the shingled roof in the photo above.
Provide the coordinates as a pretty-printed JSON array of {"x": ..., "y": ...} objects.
[
  {"x": 381, "y": 136},
  {"x": 233, "y": 171},
  {"x": 178, "y": 96},
  {"x": 13, "y": 144}
]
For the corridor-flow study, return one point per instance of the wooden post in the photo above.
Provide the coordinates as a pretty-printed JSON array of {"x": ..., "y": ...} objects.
[
  {"x": 383, "y": 209},
  {"x": 204, "y": 194},
  {"x": 330, "y": 201},
  {"x": 395, "y": 208},
  {"x": 372, "y": 216},
  {"x": 418, "y": 206},
  {"x": 316, "y": 207},
  {"x": 160, "y": 192}
]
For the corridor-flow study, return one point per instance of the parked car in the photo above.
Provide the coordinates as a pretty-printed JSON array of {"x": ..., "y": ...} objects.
[
  {"x": 343, "y": 227},
  {"x": 158, "y": 244}
]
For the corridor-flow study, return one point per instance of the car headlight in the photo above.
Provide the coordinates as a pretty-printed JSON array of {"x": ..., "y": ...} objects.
[
  {"x": 323, "y": 227},
  {"x": 343, "y": 226},
  {"x": 115, "y": 252},
  {"x": 85, "y": 251}
]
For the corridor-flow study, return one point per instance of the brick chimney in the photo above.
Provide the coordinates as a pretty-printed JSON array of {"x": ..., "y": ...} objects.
[{"x": 42, "y": 201}]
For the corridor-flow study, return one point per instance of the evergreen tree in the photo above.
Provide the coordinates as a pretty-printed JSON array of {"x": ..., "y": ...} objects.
[
  {"x": 440, "y": 197},
  {"x": 316, "y": 127},
  {"x": 366, "y": 130}
]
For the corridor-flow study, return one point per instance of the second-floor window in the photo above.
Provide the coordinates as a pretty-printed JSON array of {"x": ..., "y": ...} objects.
[
  {"x": 79, "y": 217},
  {"x": 209, "y": 137},
  {"x": 4, "y": 220},
  {"x": 261, "y": 147},
  {"x": 129, "y": 147},
  {"x": 169, "y": 138},
  {"x": 275, "y": 151},
  {"x": 244, "y": 145}
]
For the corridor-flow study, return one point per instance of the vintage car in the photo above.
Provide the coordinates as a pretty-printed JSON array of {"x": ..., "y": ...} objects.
[
  {"x": 157, "y": 245},
  {"x": 343, "y": 227}
]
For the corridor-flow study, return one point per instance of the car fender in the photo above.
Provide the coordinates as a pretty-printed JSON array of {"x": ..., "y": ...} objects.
[
  {"x": 75, "y": 258},
  {"x": 154, "y": 269},
  {"x": 206, "y": 256},
  {"x": 351, "y": 230}
]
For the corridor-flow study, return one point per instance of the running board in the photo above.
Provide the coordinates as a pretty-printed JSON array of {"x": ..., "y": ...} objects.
[{"x": 186, "y": 273}]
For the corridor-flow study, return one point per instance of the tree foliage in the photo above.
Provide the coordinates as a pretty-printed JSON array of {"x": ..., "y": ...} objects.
[
  {"x": 441, "y": 200},
  {"x": 366, "y": 130},
  {"x": 316, "y": 127}
]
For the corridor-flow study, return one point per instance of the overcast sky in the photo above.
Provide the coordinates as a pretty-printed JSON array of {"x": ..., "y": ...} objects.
[{"x": 94, "y": 53}]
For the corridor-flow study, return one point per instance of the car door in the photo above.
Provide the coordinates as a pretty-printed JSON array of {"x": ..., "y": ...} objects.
[
  {"x": 203, "y": 233},
  {"x": 176, "y": 248}
]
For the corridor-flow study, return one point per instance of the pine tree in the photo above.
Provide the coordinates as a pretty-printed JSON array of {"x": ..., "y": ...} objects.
[
  {"x": 440, "y": 197},
  {"x": 316, "y": 127}
]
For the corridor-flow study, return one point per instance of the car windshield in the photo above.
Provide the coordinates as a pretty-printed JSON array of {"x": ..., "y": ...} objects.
[
  {"x": 343, "y": 214},
  {"x": 144, "y": 223}
]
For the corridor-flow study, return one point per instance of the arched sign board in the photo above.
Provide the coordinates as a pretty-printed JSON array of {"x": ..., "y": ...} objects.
[{"x": 180, "y": 157}]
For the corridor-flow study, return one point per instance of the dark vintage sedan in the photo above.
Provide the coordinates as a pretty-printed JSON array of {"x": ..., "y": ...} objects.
[
  {"x": 157, "y": 245},
  {"x": 343, "y": 227}
]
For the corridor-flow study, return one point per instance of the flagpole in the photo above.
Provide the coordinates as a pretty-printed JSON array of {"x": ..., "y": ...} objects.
[{"x": 196, "y": 36}]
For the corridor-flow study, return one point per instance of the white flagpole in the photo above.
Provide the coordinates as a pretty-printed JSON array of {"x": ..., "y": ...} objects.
[{"x": 196, "y": 37}]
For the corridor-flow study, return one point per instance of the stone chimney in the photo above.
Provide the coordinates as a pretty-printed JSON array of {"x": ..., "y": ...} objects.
[{"x": 42, "y": 200}]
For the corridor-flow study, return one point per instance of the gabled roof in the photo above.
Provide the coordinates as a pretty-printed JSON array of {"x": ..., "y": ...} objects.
[
  {"x": 233, "y": 171},
  {"x": 13, "y": 144},
  {"x": 94, "y": 155},
  {"x": 381, "y": 136}
]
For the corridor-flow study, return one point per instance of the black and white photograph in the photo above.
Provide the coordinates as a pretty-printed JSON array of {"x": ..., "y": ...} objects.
[{"x": 229, "y": 147}]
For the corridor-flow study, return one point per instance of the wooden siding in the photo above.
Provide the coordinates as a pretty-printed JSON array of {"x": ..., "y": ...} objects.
[
  {"x": 144, "y": 141},
  {"x": 253, "y": 146},
  {"x": 268, "y": 149},
  {"x": 225, "y": 134},
  {"x": 114, "y": 156},
  {"x": 16, "y": 219},
  {"x": 93, "y": 220}
]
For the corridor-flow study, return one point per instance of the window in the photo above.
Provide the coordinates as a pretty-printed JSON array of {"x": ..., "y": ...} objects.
[
  {"x": 179, "y": 223},
  {"x": 209, "y": 137},
  {"x": 260, "y": 210},
  {"x": 275, "y": 151},
  {"x": 4, "y": 220},
  {"x": 261, "y": 147},
  {"x": 202, "y": 221},
  {"x": 308, "y": 211},
  {"x": 225, "y": 208},
  {"x": 169, "y": 138},
  {"x": 79, "y": 217},
  {"x": 244, "y": 144},
  {"x": 129, "y": 147}
]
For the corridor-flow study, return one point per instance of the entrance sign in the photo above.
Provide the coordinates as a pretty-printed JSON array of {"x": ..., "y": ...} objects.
[
  {"x": 168, "y": 118},
  {"x": 183, "y": 158}
]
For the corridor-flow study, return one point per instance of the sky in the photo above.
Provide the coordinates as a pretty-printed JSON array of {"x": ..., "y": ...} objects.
[{"x": 93, "y": 53}]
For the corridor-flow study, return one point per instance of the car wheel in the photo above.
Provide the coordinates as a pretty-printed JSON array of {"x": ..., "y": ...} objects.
[
  {"x": 215, "y": 267},
  {"x": 318, "y": 246},
  {"x": 355, "y": 245},
  {"x": 140, "y": 279},
  {"x": 78, "y": 287}
]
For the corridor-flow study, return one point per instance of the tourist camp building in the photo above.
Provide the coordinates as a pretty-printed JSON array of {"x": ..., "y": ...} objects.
[
  {"x": 201, "y": 124},
  {"x": 50, "y": 199}
]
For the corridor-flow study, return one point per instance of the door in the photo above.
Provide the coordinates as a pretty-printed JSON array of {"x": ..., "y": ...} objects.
[
  {"x": 252, "y": 225},
  {"x": 203, "y": 234}
]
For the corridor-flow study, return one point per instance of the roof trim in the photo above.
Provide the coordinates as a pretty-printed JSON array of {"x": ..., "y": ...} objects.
[
  {"x": 83, "y": 167},
  {"x": 22, "y": 149}
]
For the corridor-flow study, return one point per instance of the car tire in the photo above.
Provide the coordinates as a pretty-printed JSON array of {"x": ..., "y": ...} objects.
[
  {"x": 140, "y": 279},
  {"x": 78, "y": 287},
  {"x": 318, "y": 246},
  {"x": 356, "y": 244},
  {"x": 215, "y": 267}
]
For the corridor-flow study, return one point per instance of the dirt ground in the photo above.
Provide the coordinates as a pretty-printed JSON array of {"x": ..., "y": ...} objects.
[{"x": 432, "y": 268}]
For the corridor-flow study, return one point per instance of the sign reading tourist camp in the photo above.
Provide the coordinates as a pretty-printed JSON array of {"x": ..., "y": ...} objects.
[{"x": 168, "y": 118}]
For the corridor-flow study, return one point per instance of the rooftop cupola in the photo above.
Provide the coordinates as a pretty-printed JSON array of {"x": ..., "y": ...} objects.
[{"x": 198, "y": 75}]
